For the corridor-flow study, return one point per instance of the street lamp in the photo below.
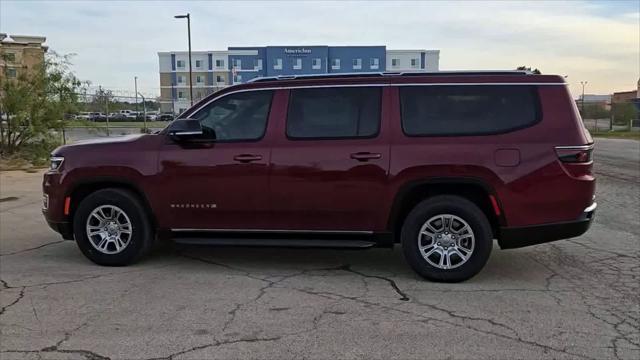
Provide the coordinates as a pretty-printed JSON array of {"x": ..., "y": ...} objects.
[
  {"x": 583, "y": 83},
  {"x": 144, "y": 115},
  {"x": 135, "y": 82},
  {"x": 188, "y": 17}
]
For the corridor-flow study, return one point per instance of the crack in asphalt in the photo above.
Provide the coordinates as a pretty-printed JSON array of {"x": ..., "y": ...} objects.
[
  {"x": 601, "y": 307},
  {"x": 512, "y": 333},
  {"x": 33, "y": 248},
  {"x": 89, "y": 355},
  {"x": 403, "y": 295},
  {"x": 216, "y": 343},
  {"x": 20, "y": 297}
]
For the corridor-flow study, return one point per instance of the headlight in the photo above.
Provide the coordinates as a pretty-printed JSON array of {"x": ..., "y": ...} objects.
[{"x": 56, "y": 163}]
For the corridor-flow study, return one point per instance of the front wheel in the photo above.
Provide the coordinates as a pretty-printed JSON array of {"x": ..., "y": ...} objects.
[
  {"x": 112, "y": 228},
  {"x": 447, "y": 238}
]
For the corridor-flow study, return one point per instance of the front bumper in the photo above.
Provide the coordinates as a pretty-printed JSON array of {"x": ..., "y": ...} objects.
[
  {"x": 63, "y": 228},
  {"x": 517, "y": 237}
]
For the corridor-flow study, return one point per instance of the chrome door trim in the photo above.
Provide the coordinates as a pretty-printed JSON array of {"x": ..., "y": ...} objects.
[{"x": 362, "y": 232}]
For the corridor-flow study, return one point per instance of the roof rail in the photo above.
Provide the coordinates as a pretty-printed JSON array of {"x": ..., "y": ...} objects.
[{"x": 390, "y": 73}]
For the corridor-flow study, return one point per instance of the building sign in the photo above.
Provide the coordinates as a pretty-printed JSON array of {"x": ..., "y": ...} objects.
[{"x": 297, "y": 51}]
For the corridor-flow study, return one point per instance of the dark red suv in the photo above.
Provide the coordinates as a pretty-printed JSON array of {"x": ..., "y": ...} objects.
[{"x": 442, "y": 163}]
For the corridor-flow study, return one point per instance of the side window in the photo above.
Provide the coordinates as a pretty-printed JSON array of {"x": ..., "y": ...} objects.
[
  {"x": 236, "y": 117},
  {"x": 467, "y": 110},
  {"x": 333, "y": 113}
]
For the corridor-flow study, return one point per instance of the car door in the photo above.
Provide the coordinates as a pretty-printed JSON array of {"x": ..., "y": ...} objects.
[
  {"x": 330, "y": 161},
  {"x": 220, "y": 181}
]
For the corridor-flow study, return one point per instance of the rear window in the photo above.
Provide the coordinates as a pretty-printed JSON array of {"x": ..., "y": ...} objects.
[
  {"x": 467, "y": 110},
  {"x": 334, "y": 113}
]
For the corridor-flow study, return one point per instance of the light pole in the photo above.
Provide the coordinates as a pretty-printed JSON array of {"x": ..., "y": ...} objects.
[
  {"x": 144, "y": 116},
  {"x": 583, "y": 83},
  {"x": 188, "y": 17},
  {"x": 135, "y": 82}
]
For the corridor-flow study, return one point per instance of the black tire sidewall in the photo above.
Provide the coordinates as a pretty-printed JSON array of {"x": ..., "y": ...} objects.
[
  {"x": 462, "y": 208},
  {"x": 141, "y": 230}
]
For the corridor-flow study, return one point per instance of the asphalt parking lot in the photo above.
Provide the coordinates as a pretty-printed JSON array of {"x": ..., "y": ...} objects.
[{"x": 577, "y": 298}]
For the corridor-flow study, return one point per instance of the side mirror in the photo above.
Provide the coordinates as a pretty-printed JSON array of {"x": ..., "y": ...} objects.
[{"x": 185, "y": 129}]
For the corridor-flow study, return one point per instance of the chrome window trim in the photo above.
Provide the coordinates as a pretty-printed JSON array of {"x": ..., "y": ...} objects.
[
  {"x": 275, "y": 231},
  {"x": 575, "y": 147},
  {"x": 369, "y": 85}
]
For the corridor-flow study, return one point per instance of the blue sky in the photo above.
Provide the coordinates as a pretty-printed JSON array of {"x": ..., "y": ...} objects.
[{"x": 596, "y": 41}]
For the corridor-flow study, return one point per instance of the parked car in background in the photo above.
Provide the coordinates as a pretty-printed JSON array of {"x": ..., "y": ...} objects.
[
  {"x": 97, "y": 116},
  {"x": 83, "y": 115},
  {"x": 166, "y": 116},
  {"x": 117, "y": 116},
  {"x": 441, "y": 163},
  {"x": 152, "y": 115}
]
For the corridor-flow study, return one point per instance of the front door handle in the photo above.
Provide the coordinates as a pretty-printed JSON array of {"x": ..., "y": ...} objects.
[
  {"x": 365, "y": 156},
  {"x": 246, "y": 158}
]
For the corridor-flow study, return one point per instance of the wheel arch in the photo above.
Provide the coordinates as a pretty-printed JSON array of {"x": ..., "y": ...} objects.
[
  {"x": 81, "y": 189},
  {"x": 476, "y": 190}
]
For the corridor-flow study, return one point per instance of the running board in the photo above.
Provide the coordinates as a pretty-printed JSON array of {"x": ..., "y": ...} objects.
[{"x": 291, "y": 242}]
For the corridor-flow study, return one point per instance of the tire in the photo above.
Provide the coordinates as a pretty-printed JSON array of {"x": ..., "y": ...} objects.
[
  {"x": 459, "y": 212},
  {"x": 138, "y": 240}
]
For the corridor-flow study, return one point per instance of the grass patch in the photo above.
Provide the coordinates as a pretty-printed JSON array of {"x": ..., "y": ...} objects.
[{"x": 635, "y": 135}]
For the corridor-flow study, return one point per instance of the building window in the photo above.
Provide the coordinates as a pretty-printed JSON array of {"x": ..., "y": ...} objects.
[
  {"x": 277, "y": 64},
  {"x": 11, "y": 73},
  {"x": 374, "y": 63},
  {"x": 10, "y": 57},
  {"x": 335, "y": 64},
  {"x": 297, "y": 64},
  {"x": 199, "y": 79},
  {"x": 237, "y": 78},
  {"x": 181, "y": 95},
  {"x": 414, "y": 63},
  {"x": 180, "y": 64},
  {"x": 181, "y": 79},
  {"x": 220, "y": 63},
  {"x": 395, "y": 62},
  {"x": 357, "y": 64},
  {"x": 198, "y": 64},
  {"x": 237, "y": 63},
  {"x": 219, "y": 79},
  {"x": 316, "y": 63},
  {"x": 257, "y": 64}
]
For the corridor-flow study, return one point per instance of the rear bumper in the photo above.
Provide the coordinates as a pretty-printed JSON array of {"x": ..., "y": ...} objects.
[{"x": 516, "y": 237}]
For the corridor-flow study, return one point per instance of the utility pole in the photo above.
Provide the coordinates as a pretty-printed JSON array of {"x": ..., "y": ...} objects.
[
  {"x": 144, "y": 107},
  {"x": 188, "y": 17},
  {"x": 135, "y": 82},
  {"x": 583, "y": 83}
]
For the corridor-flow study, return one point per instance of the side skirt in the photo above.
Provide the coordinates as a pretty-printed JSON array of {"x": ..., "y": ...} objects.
[{"x": 266, "y": 238}]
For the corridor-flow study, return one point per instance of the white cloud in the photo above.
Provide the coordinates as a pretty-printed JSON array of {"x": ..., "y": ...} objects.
[{"x": 116, "y": 41}]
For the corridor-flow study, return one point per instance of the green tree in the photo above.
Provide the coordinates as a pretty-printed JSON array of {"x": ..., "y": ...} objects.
[
  {"x": 528, "y": 68},
  {"x": 623, "y": 112},
  {"x": 35, "y": 103}
]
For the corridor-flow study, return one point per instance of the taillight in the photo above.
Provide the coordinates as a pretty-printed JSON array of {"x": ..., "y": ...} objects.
[
  {"x": 575, "y": 154},
  {"x": 577, "y": 161}
]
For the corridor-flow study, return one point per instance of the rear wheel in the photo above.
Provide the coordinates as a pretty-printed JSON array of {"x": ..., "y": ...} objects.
[
  {"x": 112, "y": 228},
  {"x": 447, "y": 238}
]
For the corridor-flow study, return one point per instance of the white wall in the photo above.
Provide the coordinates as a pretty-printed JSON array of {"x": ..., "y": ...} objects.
[
  {"x": 404, "y": 57},
  {"x": 432, "y": 60}
]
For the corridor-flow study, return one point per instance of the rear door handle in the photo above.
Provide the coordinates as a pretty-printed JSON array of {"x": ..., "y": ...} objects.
[
  {"x": 365, "y": 156},
  {"x": 246, "y": 158}
]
